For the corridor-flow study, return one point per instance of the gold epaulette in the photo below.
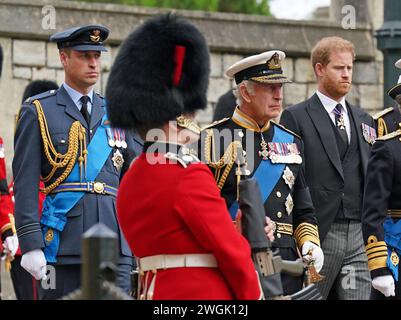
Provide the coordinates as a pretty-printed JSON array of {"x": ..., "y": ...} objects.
[
  {"x": 380, "y": 114},
  {"x": 306, "y": 232},
  {"x": 215, "y": 123},
  {"x": 376, "y": 252},
  {"x": 389, "y": 136},
  {"x": 285, "y": 129}
]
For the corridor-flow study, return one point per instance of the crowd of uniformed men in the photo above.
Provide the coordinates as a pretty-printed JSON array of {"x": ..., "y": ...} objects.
[{"x": 136, "y": 161}]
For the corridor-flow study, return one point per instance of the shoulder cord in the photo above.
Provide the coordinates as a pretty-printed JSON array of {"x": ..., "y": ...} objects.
[
  {"x": 58, "y": 160},
  {"x": 228, "y": 159}
]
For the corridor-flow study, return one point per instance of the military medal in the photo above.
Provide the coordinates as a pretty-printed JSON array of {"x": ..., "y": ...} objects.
[
  {"x": 263, "y": 152},
  {"x": 289, "y": 177},
  {"x": 110, "y": 138},
  {"x": 341, "y": 122},
  {"x": 123, "y": 142},
  {"x": 118, "y": 138},
  {"x": 369, "y": 133},
  {"x": 289, "y": 204},
  {"x": 118, "y": 159},
  {"x": 284, "y": 153}
]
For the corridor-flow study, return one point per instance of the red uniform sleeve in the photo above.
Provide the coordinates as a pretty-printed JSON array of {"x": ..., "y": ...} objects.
[{"x": 205, "y": 213}]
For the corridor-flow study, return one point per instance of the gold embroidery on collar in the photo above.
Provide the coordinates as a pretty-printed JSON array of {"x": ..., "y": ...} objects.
[{"x": 247, "y": 122}]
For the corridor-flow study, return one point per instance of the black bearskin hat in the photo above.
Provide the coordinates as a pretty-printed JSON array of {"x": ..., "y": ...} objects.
[
  {"x": 38, "y": 86},
  {"x": 161, "y": 71}
]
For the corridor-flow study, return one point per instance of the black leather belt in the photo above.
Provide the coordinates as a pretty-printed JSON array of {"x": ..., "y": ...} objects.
[{"x": 91, "y": 187}]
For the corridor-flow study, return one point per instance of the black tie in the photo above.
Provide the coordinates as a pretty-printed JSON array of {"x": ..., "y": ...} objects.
[
  {"x": 340, "y": 123},
  {"x": 84, "y": 109}
]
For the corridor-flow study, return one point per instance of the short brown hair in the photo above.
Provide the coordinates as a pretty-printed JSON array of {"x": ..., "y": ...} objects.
[{"x": 325, "y": 46}]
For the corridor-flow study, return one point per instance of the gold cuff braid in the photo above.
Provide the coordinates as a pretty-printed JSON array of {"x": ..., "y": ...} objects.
[
  {"x": 376, "y": 252},
  {"x": 306, "y": 232}
]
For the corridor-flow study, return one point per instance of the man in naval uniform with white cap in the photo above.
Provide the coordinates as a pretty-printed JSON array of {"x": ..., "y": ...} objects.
[
  {"x": 381, "y": 212},
  {"x": 273, "y": 155}
]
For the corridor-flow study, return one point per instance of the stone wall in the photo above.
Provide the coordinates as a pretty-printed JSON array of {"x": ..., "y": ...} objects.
[{"x": 28, "y": 55}]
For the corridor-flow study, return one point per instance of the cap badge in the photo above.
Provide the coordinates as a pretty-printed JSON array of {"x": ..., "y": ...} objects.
[
  {"x": 95, "y": 36},
  {"x": 274, "y": 62}
]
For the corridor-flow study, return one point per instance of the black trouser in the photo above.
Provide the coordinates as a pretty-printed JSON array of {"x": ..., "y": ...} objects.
[
  {"x": 68, "y": 279},
  {"x": 25, "y": 286}
]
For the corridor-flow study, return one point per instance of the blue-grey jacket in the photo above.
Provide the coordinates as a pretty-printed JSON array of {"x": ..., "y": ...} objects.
[{"x": 30, "y": 163}]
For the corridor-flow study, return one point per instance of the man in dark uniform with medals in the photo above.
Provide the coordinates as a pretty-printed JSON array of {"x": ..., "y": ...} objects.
[
  {"x": 64, "y": 137},
  {"x": 273, "y": 155},
  {"x": 381, "y": 223}
]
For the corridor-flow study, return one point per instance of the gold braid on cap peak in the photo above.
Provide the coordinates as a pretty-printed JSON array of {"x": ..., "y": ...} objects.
[{"x": 77, "y": 139}]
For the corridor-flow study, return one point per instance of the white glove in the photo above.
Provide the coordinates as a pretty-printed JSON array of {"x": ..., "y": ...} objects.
[
  {"x": 35, "y": 263},
  {"x": 10, "y": 245},
  {"x": 317, "y": 254},
  {"x": 384, "y": 284}
]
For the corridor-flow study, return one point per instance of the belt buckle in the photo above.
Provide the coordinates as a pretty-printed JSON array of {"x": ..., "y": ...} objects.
[{"x": 98, "y": 187}]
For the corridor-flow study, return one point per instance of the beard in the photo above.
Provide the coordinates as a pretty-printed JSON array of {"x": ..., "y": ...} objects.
[{"x": 337, "y": 90}]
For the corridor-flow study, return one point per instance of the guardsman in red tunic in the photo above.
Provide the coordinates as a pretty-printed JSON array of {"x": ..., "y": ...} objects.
[{"x": 168, "y": 205}]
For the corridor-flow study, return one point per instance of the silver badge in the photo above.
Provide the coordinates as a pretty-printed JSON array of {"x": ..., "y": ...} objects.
[
  {"x": 118, "y": 159},
  {"x": 289, "y": 204},
  {"x": 288, "y": 177}
]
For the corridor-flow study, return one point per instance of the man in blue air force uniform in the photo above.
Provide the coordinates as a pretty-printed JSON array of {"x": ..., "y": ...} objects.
[{"x": 63, "y": 136}]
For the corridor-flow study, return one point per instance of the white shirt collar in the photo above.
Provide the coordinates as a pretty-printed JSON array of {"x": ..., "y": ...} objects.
[{"x": 329, "y": 104}]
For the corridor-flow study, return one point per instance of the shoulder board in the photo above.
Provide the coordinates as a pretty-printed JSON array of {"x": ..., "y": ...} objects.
[
  {"x": 380, "y": 114},
  {"x": 99, "y": 95},
  {"x": 390, "y": 136},
  {"x": 215, "y": 123},
  {"x": 41, "y": 96},
  {"x": 285, "y": 129}
]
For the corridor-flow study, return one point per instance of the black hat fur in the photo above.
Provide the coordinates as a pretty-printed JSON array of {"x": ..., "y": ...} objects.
[
  {"x": 140, "y": 91},
  {"x": 38, "y": 86}
]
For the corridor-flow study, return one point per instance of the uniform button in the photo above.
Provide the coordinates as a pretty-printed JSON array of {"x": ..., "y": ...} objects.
[
  {"x": 279, "y": 235},
  {"x": 278, "y": 194},
  {"x": 279, "y": 214},
  {"x": 91, "y": 131},
  {"x": 342, "y": 194}
]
